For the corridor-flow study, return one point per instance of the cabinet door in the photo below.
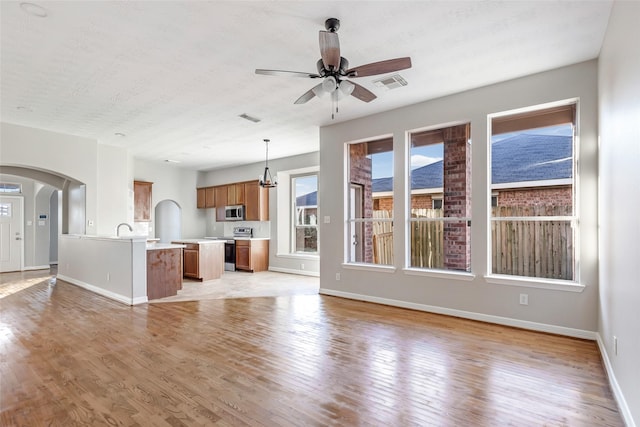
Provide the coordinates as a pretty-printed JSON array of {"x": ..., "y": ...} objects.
[
  {"x": 220, "y": 199},
  {"x": 142, "y": 200},
  {"x": 191, "y": 263},
  {"x": 201, "y": 203},
  {"x": 235, "y": 194},
  {"x": 243, "y": 255},
  {"x": 256, "y": 202},
  {"x": 209, "y": 197}
]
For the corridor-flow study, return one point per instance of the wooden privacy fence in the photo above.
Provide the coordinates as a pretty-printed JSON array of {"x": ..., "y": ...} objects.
[
  {"x": 427, "y": 239},
  {"x": 530, "y": 247},
  {"x": 382, "y": 239}
]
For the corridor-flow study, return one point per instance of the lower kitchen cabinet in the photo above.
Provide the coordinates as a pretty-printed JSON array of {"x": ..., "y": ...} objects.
[
  {"x": 203, "y": 261},
  {"x": 252, "y": 255}
]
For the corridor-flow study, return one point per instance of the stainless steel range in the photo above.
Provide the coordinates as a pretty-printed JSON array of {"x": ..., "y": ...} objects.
[{"x": 230, "y": 247}]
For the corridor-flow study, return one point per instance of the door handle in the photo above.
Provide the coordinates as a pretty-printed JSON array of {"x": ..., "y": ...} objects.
[{"x": 18, "y": 238}]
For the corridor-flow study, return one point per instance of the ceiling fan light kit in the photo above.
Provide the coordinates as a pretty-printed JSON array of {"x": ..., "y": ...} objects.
[{"x": 334, "y": 70}]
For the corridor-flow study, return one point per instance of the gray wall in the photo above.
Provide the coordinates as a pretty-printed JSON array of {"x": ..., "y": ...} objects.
[
  {"x": 619, "y": 95},
  {"x": 573, "y": 313}
]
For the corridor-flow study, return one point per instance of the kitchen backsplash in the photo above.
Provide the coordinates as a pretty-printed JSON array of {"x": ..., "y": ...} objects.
[{"x": 261, "y": 229}]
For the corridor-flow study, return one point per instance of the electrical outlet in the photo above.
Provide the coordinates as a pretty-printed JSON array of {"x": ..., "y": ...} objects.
[
  {"x": 327, "y": 219},
  {"x": 301, "y": 266},
  {"x": 108, "y": 277},
  {"x": 524, "y": 299},
  {"x": 615, "y": 345},
  {"x": 337, "y": 276}
]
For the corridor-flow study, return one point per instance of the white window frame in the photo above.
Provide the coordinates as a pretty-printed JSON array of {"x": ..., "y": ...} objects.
[
  {"x": 573, "y": 285},
  {"x": 425, "y": 271},
  {"x": 348, "y": 221},
  {"x": 293, "y": 218}
]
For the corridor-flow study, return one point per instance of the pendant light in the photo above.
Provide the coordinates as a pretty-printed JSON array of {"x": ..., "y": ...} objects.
[{"x": 266, "y": 180}]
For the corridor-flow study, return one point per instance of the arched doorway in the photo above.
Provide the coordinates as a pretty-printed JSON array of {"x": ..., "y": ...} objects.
[{"x": 168, "y": 221}]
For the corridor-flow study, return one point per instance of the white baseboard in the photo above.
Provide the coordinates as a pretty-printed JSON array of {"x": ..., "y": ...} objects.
[
  {"x": 36, "y": 267},
  {"x": 615, "y": 387},
  {"x": 507, "y": 321},
  {"x": 293, "y": 271},
  {"x": 105, "y": 293}
]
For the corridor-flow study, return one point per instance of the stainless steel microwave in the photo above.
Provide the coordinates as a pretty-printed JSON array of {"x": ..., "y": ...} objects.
[{"x": 234, "y": 213}]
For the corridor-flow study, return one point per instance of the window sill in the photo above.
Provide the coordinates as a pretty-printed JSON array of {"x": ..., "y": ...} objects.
[
  {"x": 444, "y": 274},
  {"x": 529, "y": 282},
  {"x": 370, "y": 267}
]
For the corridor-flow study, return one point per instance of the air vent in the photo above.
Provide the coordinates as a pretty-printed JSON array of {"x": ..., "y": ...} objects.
[
  {"x": 391, "y": 82},
  {"x": 248, "y": 117}
]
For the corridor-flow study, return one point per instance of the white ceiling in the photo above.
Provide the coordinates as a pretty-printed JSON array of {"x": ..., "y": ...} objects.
[{"x": 174, "y": 76}]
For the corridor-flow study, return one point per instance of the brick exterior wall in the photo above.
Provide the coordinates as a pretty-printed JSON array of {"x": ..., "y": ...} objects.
[
  {"x": 360, "y": 173},
  {"x": 457, "y": 197},
  {"x": 549, "y": 196}
]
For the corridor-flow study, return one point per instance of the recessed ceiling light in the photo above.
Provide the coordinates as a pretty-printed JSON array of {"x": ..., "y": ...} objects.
[
  {"x": 34, "y": 10},
  {"x": 120, "y": 134}
]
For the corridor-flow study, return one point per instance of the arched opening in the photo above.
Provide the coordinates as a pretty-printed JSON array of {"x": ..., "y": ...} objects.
[
  {"x": 168, "y": 221},
  {"x": 51, "y": 204}
]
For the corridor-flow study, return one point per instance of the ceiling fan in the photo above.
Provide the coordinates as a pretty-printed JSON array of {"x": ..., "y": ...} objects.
[{"x": 334, "y": 70}]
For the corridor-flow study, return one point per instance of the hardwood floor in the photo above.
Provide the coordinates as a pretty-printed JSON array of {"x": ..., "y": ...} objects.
[{"x": 73, "y": 358}]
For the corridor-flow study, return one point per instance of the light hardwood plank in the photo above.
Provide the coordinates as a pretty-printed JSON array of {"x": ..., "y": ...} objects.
[{"x": 73, "y": 358}]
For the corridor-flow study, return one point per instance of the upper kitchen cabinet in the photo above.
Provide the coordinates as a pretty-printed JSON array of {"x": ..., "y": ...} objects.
[
  {"x": 220, "y": 197},
  {"x": 206, "y": 198},
  {"x": 256, "y": 202},
  {"x": 142, "y": 200},
  {"x": 235, "y": 194}
]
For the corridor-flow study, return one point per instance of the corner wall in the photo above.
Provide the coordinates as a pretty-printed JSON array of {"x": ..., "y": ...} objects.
[{"x": 619, "y": 102}]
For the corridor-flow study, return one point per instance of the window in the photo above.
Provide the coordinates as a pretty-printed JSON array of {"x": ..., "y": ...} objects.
[
  {"x": 305, "y": 213},
  {"x": 369, "y": 237},
  {"x": 439, "y": 218},
  {"x": 6, "y": 187},
  {"x": 534, "y": 223}
]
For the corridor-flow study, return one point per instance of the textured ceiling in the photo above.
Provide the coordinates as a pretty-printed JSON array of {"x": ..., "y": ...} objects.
[{"x": 174, "y": 76}]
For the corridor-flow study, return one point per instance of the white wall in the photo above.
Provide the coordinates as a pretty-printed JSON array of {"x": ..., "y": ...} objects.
[
  {"x": 171, "y": 182},
  {"x": 102, "y": 169},
  {"x": 573, "y": 313},
  {"x": 619, "y": 96},
  {"x": 277, "y": 261}
]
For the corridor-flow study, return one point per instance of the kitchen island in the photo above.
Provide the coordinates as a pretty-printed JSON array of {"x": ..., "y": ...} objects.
[
  {"x": 203, "y": 258},
  {"x": 164, "y": 269}
]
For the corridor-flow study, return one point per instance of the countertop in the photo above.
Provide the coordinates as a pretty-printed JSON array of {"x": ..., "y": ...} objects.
[
  {"x": 222, "y": 239},
  {"x": 159, "y": 246},
  {"x": 197, "y": 241}
]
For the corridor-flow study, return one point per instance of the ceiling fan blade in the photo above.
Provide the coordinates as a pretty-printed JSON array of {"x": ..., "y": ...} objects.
[
  {"x": 330, "y": 50},
  {"x": 286, "y": 73},
  {"x": 308, "y": 94},
  {"x": 382, "y": 67},
  {"x": 362, "y": 94}
]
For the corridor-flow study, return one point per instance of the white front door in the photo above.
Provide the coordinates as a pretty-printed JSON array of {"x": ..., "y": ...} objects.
[{"x": 11, "y": 242}]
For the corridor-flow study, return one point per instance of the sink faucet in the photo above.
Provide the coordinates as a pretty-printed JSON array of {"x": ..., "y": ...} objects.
[{"x": 120, "y": 225}]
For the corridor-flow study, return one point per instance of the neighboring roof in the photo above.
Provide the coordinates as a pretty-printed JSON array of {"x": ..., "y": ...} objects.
[
  {"x": 525, "y": 157},
  {"x": 309, "y": 199},
  {"x": 522, "y": 157}
]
